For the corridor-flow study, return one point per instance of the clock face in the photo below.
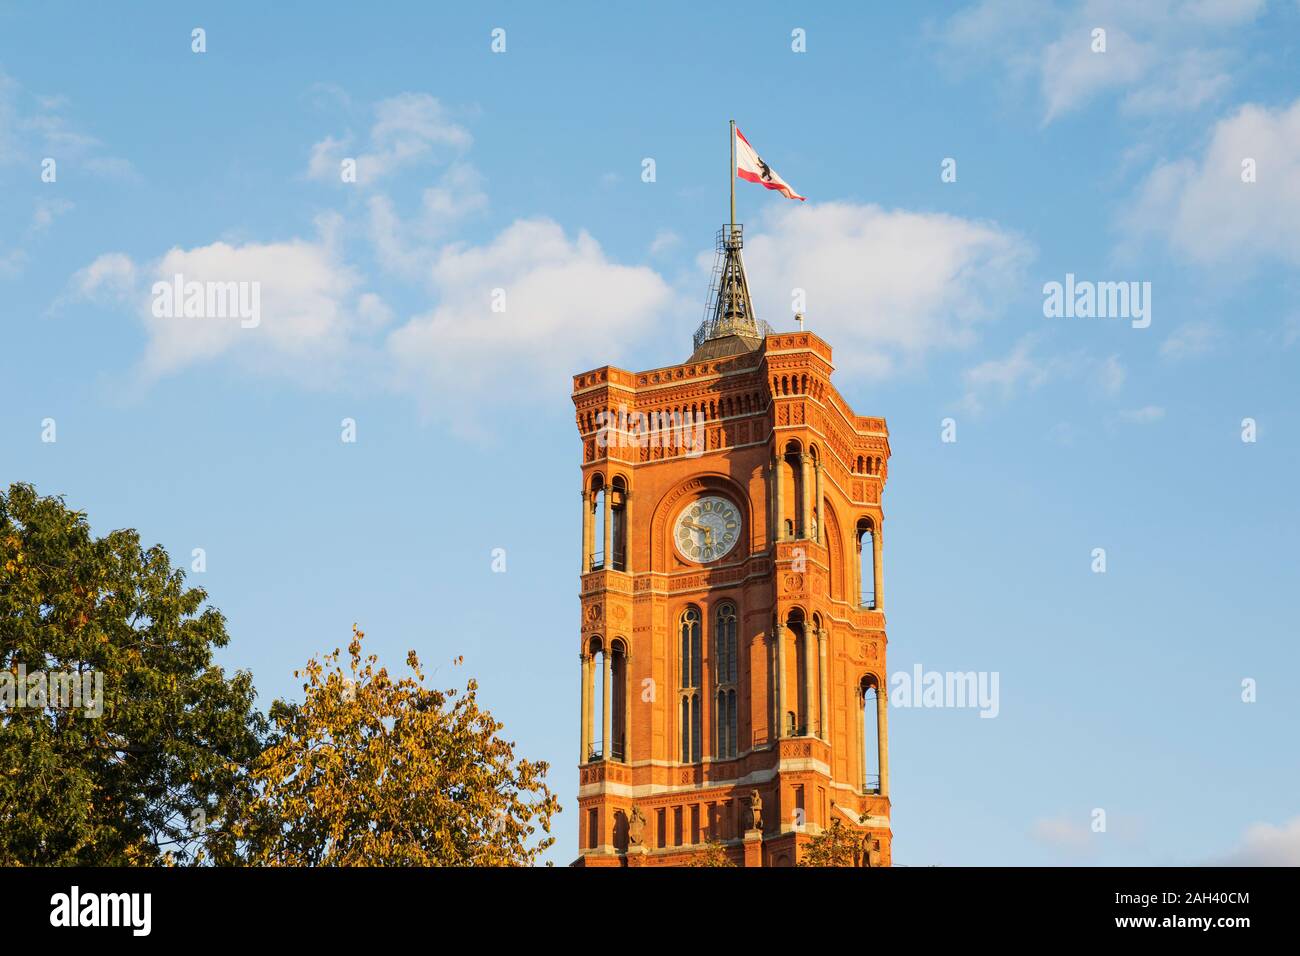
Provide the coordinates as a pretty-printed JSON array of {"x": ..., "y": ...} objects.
[{"x": 707, "y": 529}]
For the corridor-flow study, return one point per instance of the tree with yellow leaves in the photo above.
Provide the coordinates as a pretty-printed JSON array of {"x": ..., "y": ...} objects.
[
  {"x": 834, "y": 846},
  {"x": 369, "y": 771},
  {"x": 713, "y": 854}
]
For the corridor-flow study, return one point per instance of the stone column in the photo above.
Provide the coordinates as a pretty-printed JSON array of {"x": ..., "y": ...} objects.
[
  {"x": 859, "y": 743},
  {"x": 878, "y": 545},
  {"x": 882, "y": 739},
  {"x": 822, "y": 639},
  {"x": 808, "y": 672},
  {"x": 627, "y": 706},
  {"x": 774, "y": 710},
  {"x": 606, "y": 748},
  {"x": 584, "y": 720},
  {"x": 805, "y": 495},
  {"x": 780, "y": 679},
  {"x": 780, "y": 498},
  {"x": 627, "y": 529},
  {"x": 772, "y": 475},
  {"x": 586, "y": 531},
  {"x": 821, "y": 517},
  {"x": 608, "y": 495}
]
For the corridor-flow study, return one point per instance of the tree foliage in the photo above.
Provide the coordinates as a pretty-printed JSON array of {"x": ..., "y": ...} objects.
[
  {"x": 369, "y": 770},
  {"x": 836, "y": 845},
  {"x": 151, "y": 778},
  {"x": 712, "y": 854}
]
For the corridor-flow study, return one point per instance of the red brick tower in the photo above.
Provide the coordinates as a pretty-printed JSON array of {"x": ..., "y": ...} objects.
[{"x": 733, "y": 633}]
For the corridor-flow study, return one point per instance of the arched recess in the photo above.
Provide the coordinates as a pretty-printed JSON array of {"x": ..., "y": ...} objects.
[
  {"x": 594, "y": 703},
  {"x": 872, "y": 701},
  {"x": 619, "y": 711},
  {"x": 798, "y": 668},
  {"x": 665, "y": 510},
  {"x": 867, "y": 554},
  {"x": 690, "y": 649},
  {"x": 618, "y": 520},
  {"x": 725, "y": 621},
  {"x": 790, "y": 473},
  {"x": 620, "y": 831},
  {"x": 835, "y": 550},
  {"x": 595, "y": 533}
]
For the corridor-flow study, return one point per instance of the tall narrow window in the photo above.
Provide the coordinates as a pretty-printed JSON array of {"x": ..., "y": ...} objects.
[
  {"x": 725, "y": 631},
  {"x": 618, "y": 512},
  {"x": 598, "y": 744},
  {"x": 690, "y": 668},
  {"x": 866, "y": 563},
  {"x": 725, "y": 650},
  {"x": 596, "y": 545},
  {"x": 868, "y": 692},
  {"x": 685, "y": 729},
  {"x": 695, "y": 728},
  {"x": 691, "y": 647},
  {"x": 618, "y": 711}
]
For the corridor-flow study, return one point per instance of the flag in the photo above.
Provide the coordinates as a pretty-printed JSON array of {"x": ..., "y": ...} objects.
[{"x": 750, "y": 166}]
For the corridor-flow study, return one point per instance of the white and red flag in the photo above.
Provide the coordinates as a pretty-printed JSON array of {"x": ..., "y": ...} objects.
[{"x": 750, "y": 166}]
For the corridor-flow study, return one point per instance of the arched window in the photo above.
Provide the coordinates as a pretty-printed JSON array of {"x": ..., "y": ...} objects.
[
  {"x": 618, "y": 711},
  {"x": 596, "y": 524},
  {"x": 618, "y": 515},
  {"x": 791, "y": 492},
  {"x": 725, "y": 641},
  {"x": 599, "y": 661},
  {"x": 690, "y": 631},
  {"x": 866, "y": 563},
  {"x": 725, "y": 654},
  {"x": 871, "y": 745},
  {"x": 800, "y": 671},
  {"x": 689, "y": 670}
]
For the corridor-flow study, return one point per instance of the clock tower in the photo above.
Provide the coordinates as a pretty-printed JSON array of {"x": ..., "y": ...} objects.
[{"x": 732, "y": 646}]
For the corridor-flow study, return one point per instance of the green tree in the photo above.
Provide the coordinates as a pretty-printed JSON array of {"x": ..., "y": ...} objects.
[
  {"x": 369, "y": 771},
  {"x": 148, "y": 780}
]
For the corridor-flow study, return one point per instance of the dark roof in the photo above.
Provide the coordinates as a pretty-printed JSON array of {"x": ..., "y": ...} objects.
[{"x": 725, "y": 345}]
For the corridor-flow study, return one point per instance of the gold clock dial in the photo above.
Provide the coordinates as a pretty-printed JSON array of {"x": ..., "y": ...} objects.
[{"x": 707, "y": 529}]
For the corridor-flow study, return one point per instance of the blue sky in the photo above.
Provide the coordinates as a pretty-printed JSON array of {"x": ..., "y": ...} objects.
[{"x": 523, "y": 170}]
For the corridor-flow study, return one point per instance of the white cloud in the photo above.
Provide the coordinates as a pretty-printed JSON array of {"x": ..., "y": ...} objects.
[
  {"x": 1266, "y": 845},
  {"x": 567, "y": 307},
  {"x": 312, "y": 322},
  {"x": 410, "y": 128},
  {"x": 33, "y": 127},
  {"x": 1072, "y": 73},
  {"x": 1111, "y": 375},
  {"x": 47, "y": 210},
  {"x": 1146, "y": 415},
  {"x": 307, "y": 308},
  {"x": 12, "y": 263},
  {"x": 664, "y": 241},
  {"x": 1207, "y": 213},
  {"x": 409, "y": 246},
  {"x": 1161, "y": 56},
  {"x": 110, "y": 275},
  {"x": 1189, "y": 341},
  {"x": 1024, "y": 369},
  {"x": 884, "y": 286},
  {"x": 1005, "y": 377}
]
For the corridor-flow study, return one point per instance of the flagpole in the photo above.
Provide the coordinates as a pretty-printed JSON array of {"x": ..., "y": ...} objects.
[{"x": 732, "y": 178}]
